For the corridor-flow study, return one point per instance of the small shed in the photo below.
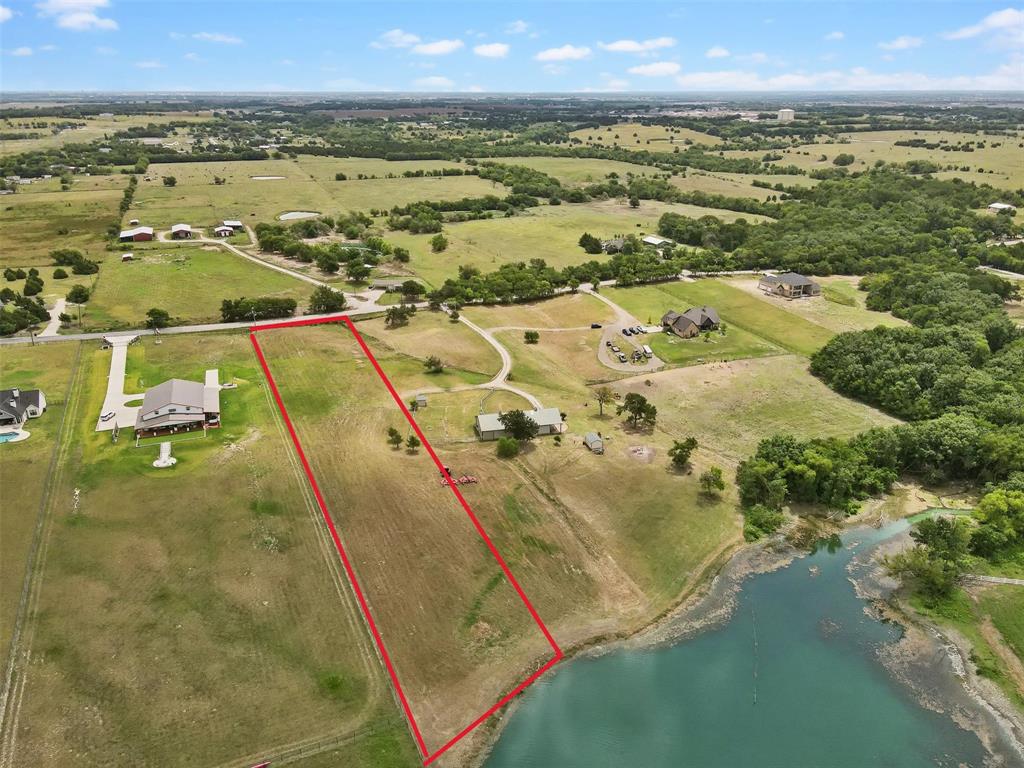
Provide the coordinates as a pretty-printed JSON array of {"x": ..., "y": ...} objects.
[
  {"x": 133, "y": 223},
  {"x": 181, "y": 231},
  {"x": 421, "y": 401},
  {"x": 594, "y": 442},
  {"x": 234, "y": 224},
  {"x": 657, "y": 241},
  {"x": 223, "y": 231},
  {"x": 127, "y": 257},
  {"x": 1000, "y": 207}
]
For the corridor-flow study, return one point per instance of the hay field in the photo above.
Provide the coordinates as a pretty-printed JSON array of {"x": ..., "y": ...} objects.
[
  {"x": 736, "y": 184},
  {"x": 194, "y": 615},
  {"x": 653, "y": 138},
  {"x": 578, "y": 310},
  {"x": 579, "y": 171}
]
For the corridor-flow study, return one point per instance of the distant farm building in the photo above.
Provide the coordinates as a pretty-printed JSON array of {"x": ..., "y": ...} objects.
[
  {"x": 615, "y": 245},
  {"x": 657, "y": 241},
  {"x": 181, "y": 231},
  {"x": 127, "y": 257},
  {"x": 1001, "y": 207},
  {"x": 179, "y": 405},
  {"x": 136, "y": 235},
  {"x": 387, "y": 284},
  {"x": 133, "y": 223},
  {"x": 548, "y": 420},
  {"x": 786, "y": 115},
  {"x": 237, "y": 226},
  {"x": 788, "y": 285},
  {"x": 223, "y": 231},
  {"x": 19, "y": 405},
  {"x": 594, "y": 442},
  {"x": 690, "y": 323}
]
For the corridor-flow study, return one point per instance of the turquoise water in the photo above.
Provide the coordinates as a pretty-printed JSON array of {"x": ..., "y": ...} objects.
[
  {"x": 812, "y": 694},
  {"x": 6, "y": 437}
]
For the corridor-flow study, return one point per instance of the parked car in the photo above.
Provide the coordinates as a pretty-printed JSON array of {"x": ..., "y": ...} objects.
[
  {"x": 639, "y": 329},
  {"x": 608, "y": 343},
  {"x": 615, "y": 349},
  {"x": 622, "y": 358},
  {"x": 627, "y": 331},
  {"x": 595, "y": 325},
  {"x": 108, "y": 416}
]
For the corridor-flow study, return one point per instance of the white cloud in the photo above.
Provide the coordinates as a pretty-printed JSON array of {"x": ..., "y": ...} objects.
[
  {"x": 901, "y": 43},
  {"x": 194, "y": 57},
  {"x": 517, "y": 27},
  {"x": 5, "y": 13},
  {"x": 217, "y": 37},
  {"x": 492, "y": 50},
  {"x": 150, "y": 64},
  {"x": 638, "y": 46},
  {"x": 834, "y": 36},
  {"x": 396, "y": 38},
  {"x": 716, "y": 52},
  {"x": 78, "y": 15},
  {"x": 1007, "y": 24},
  {"x": 22, "y": 51},
  {"x": 757, "y": 57},
  {"x": 437, "y": 48},
  {"x": 434, "y": 83},
  {"x": 657, "y": 69},
  {"x": 105, "y": 50},
  {"x": 48, "y": 47},
  {"x": 1005, "y": 77},
  {"x": 564, "y": 53}
]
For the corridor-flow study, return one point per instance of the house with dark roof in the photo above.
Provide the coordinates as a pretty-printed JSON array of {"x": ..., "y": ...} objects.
[
  {"x": 179, "y": 405},
  {"x": 19, "y": 405},
  {"x": 690, "y": 323},
  {"x": 788, "y": 285}
]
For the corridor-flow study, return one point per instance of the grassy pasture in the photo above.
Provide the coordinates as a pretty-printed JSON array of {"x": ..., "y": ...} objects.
[
  {"x": 95, "y": 128},
  {"x": 739, "y": 310},
  {"x": 32, "y": 218},
  {"x": 736, "y": 184},
  {"x": 192, "y": 615},
  {"x": 308, "y": 185},
  {"x": 188, "y": 281},
  {"x": 24, "y": 465},
  {"x": 455, "y": 629},
  {"x": 579, "y": 171},
  {"x": 870, "y": 146},
  {"x": 579, "y": 310},
  {"x": 549, "y": 232},
  {"x": 653, "y": 138},
  {"x": 847, "y": 313}
]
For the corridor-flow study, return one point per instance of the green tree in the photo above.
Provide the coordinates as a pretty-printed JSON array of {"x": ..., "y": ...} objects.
[
  {"x": 508, "y": 447},
  {"x": 604, "y": 396},
  {"x": 413, "y": 443},
  {"x": 394, "y": 438},
  {"x": 641, "y": 412},
  {"x": 412, "y": 289},
  {"x": 169, "y": 181},
  {"x": 325, "y": 299},
  {"x": 434, "y": 364},
  {"x": 589, "y": 243},
  {"x": 78, "y": 294},
  {"x": 438, "y": 243},
  {"x": 681, "y": 450},
  {"x": 518, "y": 425},
  {"x": 59, "y": 274},
  {"x": 711, "y": 481},
  {"x": 357, "y": 271},
  {"x": 1000, "y": 515},
  {"x": 531, "y": 337},
  {"x": 843, "y": 159},
  {"x": 939, "y": 558},
  {"x": 157, "y": 318}
]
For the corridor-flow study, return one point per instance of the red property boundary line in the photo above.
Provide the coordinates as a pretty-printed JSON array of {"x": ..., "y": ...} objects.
[{"x": 558, "y": 655}]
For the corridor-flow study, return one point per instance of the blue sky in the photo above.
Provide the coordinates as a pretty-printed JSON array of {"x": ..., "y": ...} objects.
[{"x": 131, "y": 45}]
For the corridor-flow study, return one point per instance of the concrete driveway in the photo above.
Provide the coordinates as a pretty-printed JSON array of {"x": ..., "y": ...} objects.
[
  {"x": 116, "y": 399},
  {"x": 613, "y": 332}
]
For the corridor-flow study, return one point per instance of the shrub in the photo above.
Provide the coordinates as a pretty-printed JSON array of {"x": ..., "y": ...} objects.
[{"x": 508, "y": 448}]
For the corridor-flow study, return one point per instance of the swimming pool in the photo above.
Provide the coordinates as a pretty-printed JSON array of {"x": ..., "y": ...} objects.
[{"x": 6, "y": 437}]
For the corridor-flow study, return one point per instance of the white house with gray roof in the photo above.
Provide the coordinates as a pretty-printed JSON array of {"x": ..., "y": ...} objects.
[{"x": 548, "y": 420}]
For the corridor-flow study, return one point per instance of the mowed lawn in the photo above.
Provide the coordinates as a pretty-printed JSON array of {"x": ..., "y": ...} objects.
[
  {"x": 574, "y": 311},
  {"x": 40, "y": 218},
  {"x": 190, "y": 282},
  {"x": 306, "y": 184},
  {"x": 738, "y": 309},
  {"x": 194, "y": 615},
  {"x": 25, "y": 465},
  {"x": 549, "y": 232}
]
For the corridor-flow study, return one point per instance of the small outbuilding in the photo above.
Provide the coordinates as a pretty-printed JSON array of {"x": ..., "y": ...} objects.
[
  {"x": 181, "y": 231},
  {"x": 657, "y": 241},
  {"x": 594, "y": 442},
  {"x": 548, "y": 420},
  {"x": 127, "y": 257},
  {"x": 223, "y": 231},
  {"x": 421, "y": 401},
  {"x": 237, "y": 226},
  {"x": 788, "y": 285},
  {"x": 1001, "y": 207},
  {"x": 693, "y": 321},
  {"x": 136, "y": 235}
]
